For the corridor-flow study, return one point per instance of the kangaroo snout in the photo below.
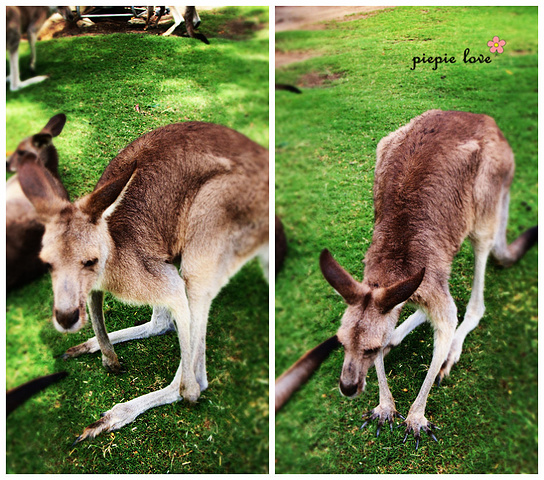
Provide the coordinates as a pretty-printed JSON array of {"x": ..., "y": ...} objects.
[
  {"x": 9, "y": 167},
  {"x": 67, "y": 320},
  {"x": 352, "y": 380},
  {"x": 348, "y": 389}
]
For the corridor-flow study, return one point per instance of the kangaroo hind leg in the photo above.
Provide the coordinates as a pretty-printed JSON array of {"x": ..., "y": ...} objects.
[{"x": 475, "y": 308}]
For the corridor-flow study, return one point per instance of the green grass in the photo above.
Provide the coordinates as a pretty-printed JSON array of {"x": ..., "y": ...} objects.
[
  {"x": 325, "y": 154},
  {"x": 98, "y": 82}
]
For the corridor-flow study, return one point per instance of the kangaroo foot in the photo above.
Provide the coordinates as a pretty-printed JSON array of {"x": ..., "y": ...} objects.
[{"x": 113, "y": 419}]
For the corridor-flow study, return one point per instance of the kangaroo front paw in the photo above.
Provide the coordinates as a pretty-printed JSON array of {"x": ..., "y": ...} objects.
[
  {"x": 416, "y": 424},
  {"x": 383, "y": 414}
]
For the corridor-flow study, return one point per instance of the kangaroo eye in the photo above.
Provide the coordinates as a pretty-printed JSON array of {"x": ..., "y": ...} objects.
[{"x": 90, "y": 263}]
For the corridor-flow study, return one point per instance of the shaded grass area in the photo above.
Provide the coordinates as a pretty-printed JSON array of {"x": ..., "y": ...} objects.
[
  {"x": 325, "y": 155},
  {"x": 114, "y": 88}
]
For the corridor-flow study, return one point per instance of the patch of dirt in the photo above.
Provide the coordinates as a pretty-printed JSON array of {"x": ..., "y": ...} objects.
[
  {"x": 313, "y": 18},
  {"x": 519, "y": 52},
  {"x": 56, "y": 27},
  {"x": 315, "y": 79},
  {"x": 285, "y": 58},
  {"x": 239, "y": 28}
]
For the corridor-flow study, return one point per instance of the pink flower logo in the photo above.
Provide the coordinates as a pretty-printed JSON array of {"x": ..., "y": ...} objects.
[{"x": 496, "y": 45}]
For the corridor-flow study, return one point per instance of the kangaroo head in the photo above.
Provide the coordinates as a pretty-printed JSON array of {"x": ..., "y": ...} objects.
[
  {"x": 76, "y": 241},
  {"x": 66, "y": 13},
  {"x": 368, "y": 322},
  {"x": 37, "y": 144}
]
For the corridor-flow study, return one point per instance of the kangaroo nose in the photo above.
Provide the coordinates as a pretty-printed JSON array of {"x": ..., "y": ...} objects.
[
  {"x": 67, "y": 319},
  {"x": 348, "y": 390}
]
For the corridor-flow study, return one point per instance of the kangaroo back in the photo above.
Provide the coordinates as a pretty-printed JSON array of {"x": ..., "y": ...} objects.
[
  {"x": 181, "y": 169},
  {"x": 436, "y": 179}
]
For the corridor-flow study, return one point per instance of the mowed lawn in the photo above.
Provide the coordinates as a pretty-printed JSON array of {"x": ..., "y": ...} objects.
[
  {"x": 358, "y": 85},
  {"x": 114, "y": 88}
]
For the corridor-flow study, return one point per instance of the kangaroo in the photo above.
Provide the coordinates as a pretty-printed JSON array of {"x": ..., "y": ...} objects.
[
  {"x": 24, "y": 231},
  {"x": 194, "y": 193},
  {"x": 27, "y": 20},
  {"x": 441, "y": 178},
  {"x": 192, "y": 21}
]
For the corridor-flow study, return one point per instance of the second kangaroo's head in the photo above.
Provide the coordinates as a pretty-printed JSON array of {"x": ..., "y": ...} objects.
[
  {"x": 76, "y": 241},
  {"x": 368, "y": 322},
  {"x": 40, "y": 144}
]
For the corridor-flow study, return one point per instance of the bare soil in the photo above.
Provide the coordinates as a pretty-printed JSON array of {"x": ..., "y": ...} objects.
[
  {"x": 56, "y": 27},
  {"x": 316, "y": 79},
  {"x": 313, "y": 18}
]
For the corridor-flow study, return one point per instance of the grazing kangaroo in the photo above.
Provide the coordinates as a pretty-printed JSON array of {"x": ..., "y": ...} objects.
[
  {"x": 24, "y": 231},
  {"x": 194, "y": 193},
  {"x": 192, "y": 21},
  {"x": 27, "y": 20},
  {"x": 439, "y": 179}
]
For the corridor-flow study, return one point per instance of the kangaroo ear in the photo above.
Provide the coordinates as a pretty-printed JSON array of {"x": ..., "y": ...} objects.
[
  {"x": 41, "y": 140},
  {"x": 43, "y": 190},
  {"x": 339, "y": 279},
  {"x": 104, "y": 195},
  {"x": 390, "y": 297},
  {"x": 55, "y": 125}
]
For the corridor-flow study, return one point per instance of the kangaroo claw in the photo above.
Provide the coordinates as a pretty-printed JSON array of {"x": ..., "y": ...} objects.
[
  {"x": 113, "y": 419},
  {"x": 383, "y": 414},
  {"x": 92, "y": 430},
  {"x": 415, "y": 428}
]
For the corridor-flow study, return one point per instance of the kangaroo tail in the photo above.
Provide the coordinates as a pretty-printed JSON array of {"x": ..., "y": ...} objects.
[
  {"x": 507, "y": 255},
  {"x": 289, "y": 88},
  {"x": 302, "y": 370},
  {"x": 17, "y": 396},
  {"x": 189, "y": 24}
]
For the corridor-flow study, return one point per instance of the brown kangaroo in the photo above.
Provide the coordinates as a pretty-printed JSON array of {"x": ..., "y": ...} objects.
[
  {"x": 29, "y": 20},
  {"x": 439, "y": 179},
  {"x": 194, "y": 193},
  {"x": 24, "y": 231}
]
